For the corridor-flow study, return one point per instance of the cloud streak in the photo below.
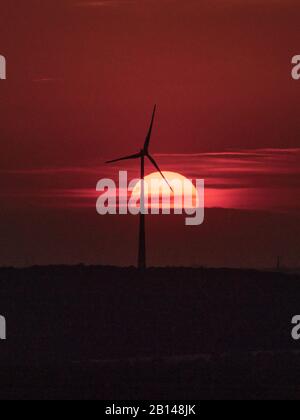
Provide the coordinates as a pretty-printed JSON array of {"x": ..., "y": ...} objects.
[{"x": 267, "y": 179}]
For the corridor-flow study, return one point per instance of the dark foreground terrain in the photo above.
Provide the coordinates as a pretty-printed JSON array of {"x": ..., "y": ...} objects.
[{"x": 106, "y": 333}]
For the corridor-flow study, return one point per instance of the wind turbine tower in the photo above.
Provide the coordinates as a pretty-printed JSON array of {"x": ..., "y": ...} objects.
[{"x": 142, "y": 155}]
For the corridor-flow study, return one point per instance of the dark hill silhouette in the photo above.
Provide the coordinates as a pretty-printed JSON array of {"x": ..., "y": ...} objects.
[{"x": 110, "y": 330}]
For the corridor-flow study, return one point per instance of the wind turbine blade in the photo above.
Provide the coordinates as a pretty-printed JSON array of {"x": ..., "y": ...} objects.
[
  {"x": 148, "y": 138},
  {"x": 136, "y": 156},
  {"x": 152, "y": 160}
]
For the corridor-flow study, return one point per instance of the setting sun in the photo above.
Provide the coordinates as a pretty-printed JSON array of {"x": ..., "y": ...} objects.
[{"x": 159, "y": 196}]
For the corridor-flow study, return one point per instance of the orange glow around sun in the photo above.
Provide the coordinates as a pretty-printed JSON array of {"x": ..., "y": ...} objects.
[{"x": 159, "y": 196}]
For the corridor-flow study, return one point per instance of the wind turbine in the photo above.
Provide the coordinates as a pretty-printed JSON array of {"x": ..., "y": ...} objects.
[{"x": 142, "y": 155}]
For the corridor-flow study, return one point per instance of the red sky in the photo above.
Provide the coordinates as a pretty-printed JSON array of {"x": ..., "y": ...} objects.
[{"x": 83, "y": 77}]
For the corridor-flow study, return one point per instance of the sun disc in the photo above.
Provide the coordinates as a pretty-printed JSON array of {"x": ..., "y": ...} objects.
[{"x": 158, "y": 194}]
